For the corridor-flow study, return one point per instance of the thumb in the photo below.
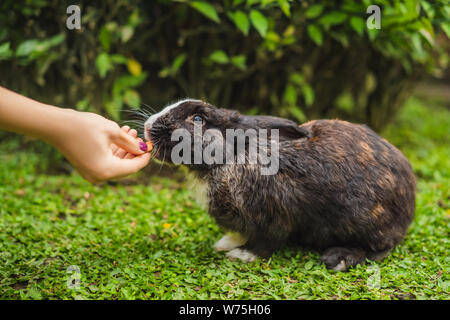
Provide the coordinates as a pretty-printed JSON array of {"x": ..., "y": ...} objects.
[{"x": 129, "y": 143}]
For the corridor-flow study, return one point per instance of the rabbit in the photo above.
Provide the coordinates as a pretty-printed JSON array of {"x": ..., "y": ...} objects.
[{"x": 340, "y": 189}]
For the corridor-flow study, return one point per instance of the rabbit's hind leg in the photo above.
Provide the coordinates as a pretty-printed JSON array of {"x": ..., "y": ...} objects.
[{"x": 340, "y": 259}]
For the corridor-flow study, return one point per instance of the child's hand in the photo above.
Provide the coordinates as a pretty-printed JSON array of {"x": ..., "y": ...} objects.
[
  {"x": 99, "y": 148},
  {"x": 121, "y": 153},
  {"x": 96, "y": 146}
]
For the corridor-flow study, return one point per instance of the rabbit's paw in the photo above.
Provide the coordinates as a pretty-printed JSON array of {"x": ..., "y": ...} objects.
[
  {"x": 229, "y": 242},
  {"x": 241, "y": 254},
  {"x": 340, "y": 259}
]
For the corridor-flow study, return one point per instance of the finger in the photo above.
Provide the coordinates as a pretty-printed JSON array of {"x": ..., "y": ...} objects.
[
  {"x": 132, "y": 133},
  {"x": 124, "y": 167},
  {"x": 114, "y": 147},
  {"x": 121, "y": 153},
  {"x": 128, "y": 143},
  {"x": 130, "y": 155}
]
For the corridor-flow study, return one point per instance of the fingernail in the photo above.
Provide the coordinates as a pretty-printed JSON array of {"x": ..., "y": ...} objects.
[{"x": 143, "y": 146}]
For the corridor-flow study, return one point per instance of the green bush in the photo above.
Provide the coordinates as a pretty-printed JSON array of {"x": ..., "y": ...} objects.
[{"x": 297, "y": 59}]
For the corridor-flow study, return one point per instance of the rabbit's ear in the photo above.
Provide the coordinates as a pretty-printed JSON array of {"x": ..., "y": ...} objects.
[{"x": 288, "y": 130}]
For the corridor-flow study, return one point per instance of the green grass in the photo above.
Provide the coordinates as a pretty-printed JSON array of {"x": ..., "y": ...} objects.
[{"x": 154, "y": 242}]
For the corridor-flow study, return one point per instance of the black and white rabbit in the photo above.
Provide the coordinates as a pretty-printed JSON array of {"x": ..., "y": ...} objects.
[{"x": 340, "y": 188}]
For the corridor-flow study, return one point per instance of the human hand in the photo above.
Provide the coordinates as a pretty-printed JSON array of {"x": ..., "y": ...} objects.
[{"x": 98, "y": 148}]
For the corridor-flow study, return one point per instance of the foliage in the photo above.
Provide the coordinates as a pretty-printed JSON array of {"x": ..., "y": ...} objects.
[
  {"x": 155, "y": 242},
  {"x": 298, "y": 59}
]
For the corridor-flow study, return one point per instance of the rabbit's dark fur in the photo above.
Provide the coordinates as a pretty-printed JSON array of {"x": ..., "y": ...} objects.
[{"x": 340, "y": 188}]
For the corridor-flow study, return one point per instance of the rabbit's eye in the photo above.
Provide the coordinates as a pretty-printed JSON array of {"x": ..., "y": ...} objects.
[{"x": 198, "y": 119}]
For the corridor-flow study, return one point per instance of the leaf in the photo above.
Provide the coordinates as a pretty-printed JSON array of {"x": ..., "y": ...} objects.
[
  {"x": 44, "y": 64},
  {"x": 309, "y": 265},
  {"x": 118, "y": 58},
  {"x": 297, "y": 78},
  {"x": 315, "y": 34},
  {"x": 272, "y": 40},
  {"x": 55, "y": 40},
  {"x": 428, "y": 8},
  {"x": 371, "y": 83},
  {"x": 34, "y": 293},
  {"x": 373, "y": 33},
  {"x": 126, "y": 33},
  {"x": 290, "y": 95},
  {"x": 93, "y": 288},
  {"x": 333, "y": 18},
  {"x": 427, "y": 30},
  {"x": 82, "y": 105},
  {"x": 345, "y": 102},
  {"x": 285, "y": 7},
  {"x": 157, "y": 254},
  {"x": 26, "y": 47},
  {"x": 206, "y": 9},
  {"x": 5, "y": 51},
  {"x": 259, "y": 21},
  {"x": 128, "y": 81},
  {"x": 178, "y": 62},
  {"x": 446, "y": 28},
  {"x": 239, "y": 61},
  {"x": 445, "y": 11},
  {"x": 134, "y": 20},
  {"x": 297, "y": 113},
  {"x": 134, "y": 67},
  {"x": 164, "y": 72},
  {"x": 418, "y": 51},
  {"x": 132, "y": 98},
  {"x": 173, "y": 69},
  {"x": 104, "y": 37},
  {"x": 357, "y": 24},
  {"x": 272, "y": 36},
  {"x": 111, "y": 26},
  {"x": 314, "y": 11},
  {"x": 289, "y": 31},
  {"x": 103, "y": 64},
  {"x": 412, "y": 9},
  {"x": 341, "y": 37},
  {"x": 113, "y": 107},
  {"x": 445, "y": 285},
  {"x": 219, "y": 56},
  {"x": 241, "y": 21},
  {"x": 308, "y": 94},
  {"x": 34, "y": 48}
]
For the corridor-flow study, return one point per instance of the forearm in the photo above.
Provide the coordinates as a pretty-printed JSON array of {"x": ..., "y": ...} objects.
[{"x": 23, "y": 115}]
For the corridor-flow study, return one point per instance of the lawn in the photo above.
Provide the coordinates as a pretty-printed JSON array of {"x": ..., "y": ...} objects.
[{"x": 153, "y": 241}]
